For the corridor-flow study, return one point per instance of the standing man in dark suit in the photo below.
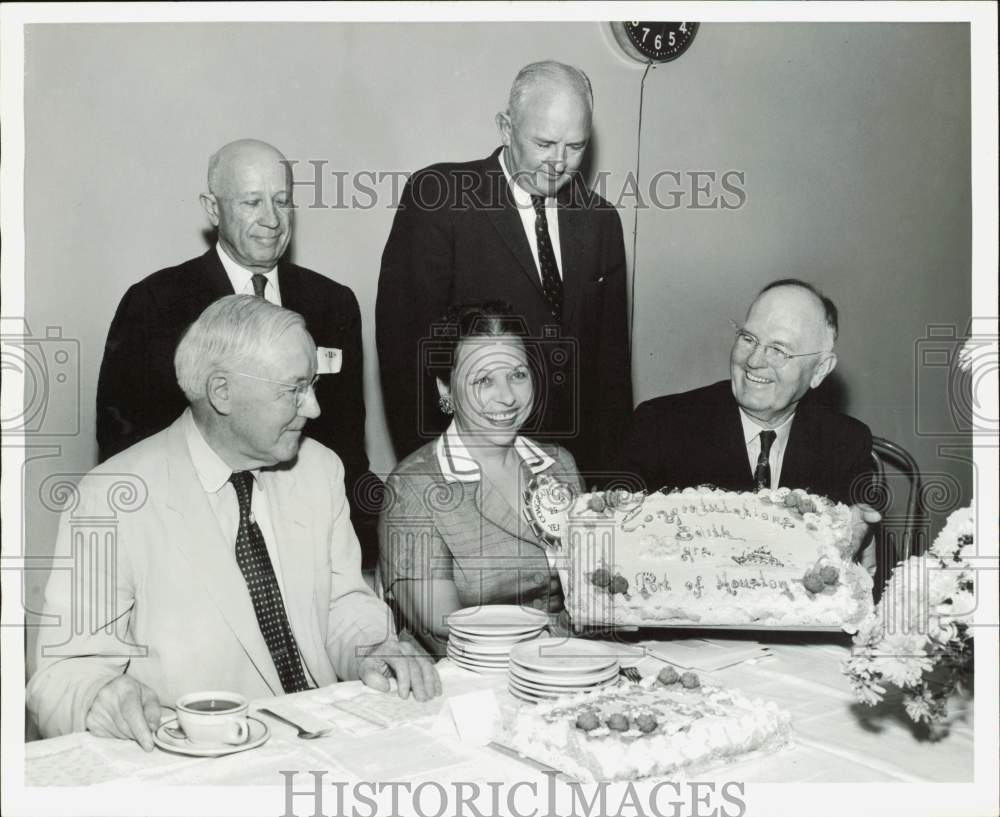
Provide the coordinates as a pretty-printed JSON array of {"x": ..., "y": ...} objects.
[
  {"x": 519, "y": 226},
  {"x": 759, "y": 429},
  {"x": 249, "y": 201}
]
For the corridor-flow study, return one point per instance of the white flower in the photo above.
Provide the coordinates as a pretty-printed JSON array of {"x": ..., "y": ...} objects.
[
  {"x": 901, "y": 658},
  {"x": 918, "y": 707}
]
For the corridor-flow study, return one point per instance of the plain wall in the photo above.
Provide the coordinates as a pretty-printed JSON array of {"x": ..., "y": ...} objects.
[{"x": 853, "y": 141}]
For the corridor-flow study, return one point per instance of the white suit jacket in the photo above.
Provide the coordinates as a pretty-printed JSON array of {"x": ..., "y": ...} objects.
[{"x": 155, "y": 590}]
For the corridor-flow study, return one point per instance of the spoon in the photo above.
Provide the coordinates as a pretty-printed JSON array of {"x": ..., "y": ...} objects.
[{"x": 302, "y": 733}]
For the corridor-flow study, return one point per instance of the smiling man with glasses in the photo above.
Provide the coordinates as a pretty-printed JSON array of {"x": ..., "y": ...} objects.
[{"x": 759, "y": 428}]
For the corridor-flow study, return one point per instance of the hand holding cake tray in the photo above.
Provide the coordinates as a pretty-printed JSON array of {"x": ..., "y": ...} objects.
[{"x": 775, "y": 559}]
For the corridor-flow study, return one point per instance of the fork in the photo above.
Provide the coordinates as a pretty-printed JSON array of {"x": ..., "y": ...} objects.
[
  {"x": 302, "y": 732},
  {"x": 630, "y": 674}
]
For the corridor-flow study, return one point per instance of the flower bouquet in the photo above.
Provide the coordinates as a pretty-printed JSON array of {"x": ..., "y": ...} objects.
[{"x": 918, "y": 638}]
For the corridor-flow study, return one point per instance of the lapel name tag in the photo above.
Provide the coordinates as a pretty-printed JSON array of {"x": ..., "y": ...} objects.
[{"x": 328, "y": 360}]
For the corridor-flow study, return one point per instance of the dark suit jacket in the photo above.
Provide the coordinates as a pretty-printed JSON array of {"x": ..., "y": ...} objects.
[
  {"x": 137, "y": 391},
  {"x": 457, "y": 237},
  {"x": 696, "y": 438}
]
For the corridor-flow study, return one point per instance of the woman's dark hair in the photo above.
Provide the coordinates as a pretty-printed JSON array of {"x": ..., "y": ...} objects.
[{"x": 469, "y": 320}]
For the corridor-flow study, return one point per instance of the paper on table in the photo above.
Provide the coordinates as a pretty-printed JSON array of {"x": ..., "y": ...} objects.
[
  {"x": 388, "y": 709},
  {"x": 476, "y": 716},
  {"x": 706, "y": 656},
  {"x": 393, "y": 754}
]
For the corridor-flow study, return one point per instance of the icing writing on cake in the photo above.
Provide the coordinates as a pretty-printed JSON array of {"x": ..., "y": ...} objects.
[
  {"x": 636, "y": 519},
  {"x": 707, "y": 557},
  {"x": 759, "y": 582},
  {"x": 761, "y": 556}
]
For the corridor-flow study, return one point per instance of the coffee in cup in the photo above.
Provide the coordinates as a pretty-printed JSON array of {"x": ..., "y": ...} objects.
[{"x": 213, "y": 718}]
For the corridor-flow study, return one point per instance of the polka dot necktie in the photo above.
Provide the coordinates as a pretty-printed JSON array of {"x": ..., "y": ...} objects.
[
  {"x": 552, "y": 284},
  {"x": 762, "y": 474},
  {"x": 251, "y": 556},
  {"x": 259, "y": 283}
]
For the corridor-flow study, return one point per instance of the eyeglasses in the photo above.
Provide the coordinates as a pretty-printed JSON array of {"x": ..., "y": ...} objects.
[
  {"x": 776, "y": 358},
  {"x": 299, "y": 390}
]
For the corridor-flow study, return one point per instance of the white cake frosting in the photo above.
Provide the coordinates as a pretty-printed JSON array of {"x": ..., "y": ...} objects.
[
  {"x": 682, "y": 729},
  {"x": 705, "y": 557}
]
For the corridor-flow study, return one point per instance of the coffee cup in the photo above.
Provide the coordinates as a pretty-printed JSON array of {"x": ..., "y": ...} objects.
[{"x": 213, "y": 718}]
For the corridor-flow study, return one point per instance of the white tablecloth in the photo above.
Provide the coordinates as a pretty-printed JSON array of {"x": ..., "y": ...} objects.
[{"x": 836, "y": 739}]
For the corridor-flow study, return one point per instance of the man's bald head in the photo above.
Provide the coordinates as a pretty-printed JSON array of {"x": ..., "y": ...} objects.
[
  {"x": 249, "y": 200},
  {"x": 227, "y": 162}
]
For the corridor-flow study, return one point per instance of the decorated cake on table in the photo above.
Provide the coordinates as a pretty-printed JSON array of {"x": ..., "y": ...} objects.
[
  {"x": 702, "y": 557},
  {"x": 667, "y": 724}
]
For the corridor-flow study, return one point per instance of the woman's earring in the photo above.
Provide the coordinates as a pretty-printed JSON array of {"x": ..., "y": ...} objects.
[{"x": 445, "y": 404}]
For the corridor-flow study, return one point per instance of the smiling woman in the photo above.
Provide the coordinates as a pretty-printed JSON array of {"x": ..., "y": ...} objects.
[{"x": 452, "y": 533}]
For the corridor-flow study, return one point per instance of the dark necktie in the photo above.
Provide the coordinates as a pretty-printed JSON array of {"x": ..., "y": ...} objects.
[
  {"x": 552, "y": 284},
  {"x": 762, "y": 474},
  {"x": 259, "y": 281},
  {"x": 251, "y": 556}
]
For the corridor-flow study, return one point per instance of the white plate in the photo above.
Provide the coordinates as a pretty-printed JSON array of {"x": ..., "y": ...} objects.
[
  {"x": 523, "y": 697},
  {"x": 563, "y": 688},
  {"x": 497, "y": 620},
  {"x": 571, "y": 655},
  {"x": 493, "y": 662},
  {"x": 563, "y": 678},
  {"x": 469, "y": 665},
  {"x": 258, "y": 735},
  {"x": 493, "y": 646}
]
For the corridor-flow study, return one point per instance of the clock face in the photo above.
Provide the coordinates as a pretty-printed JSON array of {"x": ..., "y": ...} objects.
[{"x": 656, "y": 41}]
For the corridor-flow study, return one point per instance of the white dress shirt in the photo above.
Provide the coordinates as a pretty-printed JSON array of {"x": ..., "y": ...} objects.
[
  {"x": 751, "y": 437},
  {"x": 241, "y": 278},
  {"x": 522, "y": 198},
  {"x": 214, "y": 475}
]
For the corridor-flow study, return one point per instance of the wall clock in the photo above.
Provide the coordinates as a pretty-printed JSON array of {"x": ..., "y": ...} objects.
[{"x": 654, "y": 41}]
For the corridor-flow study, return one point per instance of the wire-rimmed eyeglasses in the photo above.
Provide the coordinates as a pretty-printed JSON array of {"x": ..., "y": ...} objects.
[
  {"x": 775, "y": 356},
  {"x": 299, "y": 390}
]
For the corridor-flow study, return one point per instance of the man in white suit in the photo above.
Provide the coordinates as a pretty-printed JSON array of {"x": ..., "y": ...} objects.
[{"x": 239, "y": 570}]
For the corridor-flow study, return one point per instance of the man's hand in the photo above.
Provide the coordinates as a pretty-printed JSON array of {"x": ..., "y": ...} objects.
[
  {"x": 413, "y": 668},
  {"x": 125, "y": 708},
  {"x": 862, "y": 518}
]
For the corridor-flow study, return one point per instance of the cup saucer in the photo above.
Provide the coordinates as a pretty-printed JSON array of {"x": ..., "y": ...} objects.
[{"x": 165, "y": 738}]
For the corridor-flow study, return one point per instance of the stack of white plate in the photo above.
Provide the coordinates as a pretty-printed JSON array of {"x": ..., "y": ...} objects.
[
  {"x": 543, "y": 670},
  {"x": 480, "y": 638}
]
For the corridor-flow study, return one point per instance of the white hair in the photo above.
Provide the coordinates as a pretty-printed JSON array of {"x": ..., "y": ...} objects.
[
  {"x": 232, "y": 333},
  {"x": 548, "y": 71}
]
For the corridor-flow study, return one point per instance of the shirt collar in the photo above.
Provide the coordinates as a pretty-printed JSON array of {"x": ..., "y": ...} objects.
[
  {"x": 212, "y": 471},
  {"x": 752, "y": 429},
  {"x": 457, "y": 464},
  {"x": 522, "y": 198},
  {"x": 240, "y": 276}
]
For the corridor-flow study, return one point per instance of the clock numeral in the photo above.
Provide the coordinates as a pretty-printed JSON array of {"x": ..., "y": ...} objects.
[
  {"x": 672, "y": 39},
  {"x": 658, "y": 42},
  {"x": 684, "y": 28},
  {"x": 645, "y": 33}
]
